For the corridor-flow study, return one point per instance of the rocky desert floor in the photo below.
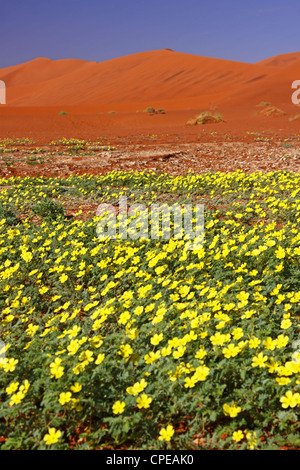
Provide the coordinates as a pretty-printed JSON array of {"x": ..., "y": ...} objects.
[{"x": 208, "y": 151}]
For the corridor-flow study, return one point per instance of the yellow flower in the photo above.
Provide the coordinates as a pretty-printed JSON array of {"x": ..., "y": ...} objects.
[
  {"x": 16, "y": 398},
  {"x": 151, "y": 357},
  {"x": 160, "y": 269},
  {"x": 279, "y": 267},
  {"x": 165, "y": 434},
  {"x": 254, "y": 342},
  {"x": 74, "y": 331},
  {"x": 43, "y": 290},
  {"x": 201, "y": 373},
  {"x": 281, "y": 341},
  {"x": 86, "y": 356},
  {"x": 270, "y": 343},
  {"x": 243, "y": 296},
  {"x": 156, "y": 339},
  {"x": 285, "y": 324},
  {"x": 259, "y": 360},
  {"x": 24, "y": 387},
  {"x": 125, "y": 350},
  {"x": 100, "y": 358},
  {"x": 237, "y": 333},
  {"x": 220, "y": 325},
  {"x": 231, "y": 410},
  {"x": 143, "y": 401},
  {"x": 283, "y": 380},
  {"x": 124, "y": 317},
  {"x": 65, "y": 397},
  {"x": 189, "y": 382},
  {"x": 76, "y": 387},
  {"x": 166, "y": 351},
  {"x": 138, "y": 310},
  {"x": 63, "y": 278},
  {"x": 52, "y": 436},
  {"x": 31, "y": 329},
  {"x": 280, "y": 253},
  {"x": 56, "y": 369},
  {"x": 12, "y": 388},
  {"x": 290, "y": 399},
  {"x": 137, "y": 387},
  {"x": 252, "y": 441},
  {"x": 201, "y": 353},
  {"x": 179, "y": 352},
  {"x": 27, "y": 256},
  {"x": 231, "y": 350},
  {"x": 9, "y": 365},
  {"x": 237, "y": 435},
  {"x": 73, "y": 346},
  {"x": 118, "y": 407},
  {"x": 219, "y": 339}
]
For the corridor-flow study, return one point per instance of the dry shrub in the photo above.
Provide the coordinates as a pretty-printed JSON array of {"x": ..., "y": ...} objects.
[
  {"x": 269, "y": 110},
  {"x": 294, "y": 118},
  {"x": 149, "y": 110},
  {"x": 272, "y": 111},
  {"x": 206, "y": 117}
]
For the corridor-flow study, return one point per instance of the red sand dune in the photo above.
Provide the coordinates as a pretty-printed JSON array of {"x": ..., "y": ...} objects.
[
  {"x": 273, "y": 86},
  {"x": 181, "y": 83},
  {"x": 281, "y": 60}
]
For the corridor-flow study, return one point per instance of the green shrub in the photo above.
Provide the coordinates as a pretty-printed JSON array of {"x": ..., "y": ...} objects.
[
  {"x": 49, "y": 209},
  {"x": 264, "y": 103},
  {"x": 149, "y": 110},
  {"x": 10, "y": 217}
]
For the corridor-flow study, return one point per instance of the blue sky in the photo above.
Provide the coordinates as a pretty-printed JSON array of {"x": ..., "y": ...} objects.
[{"x": 99, "y": 30}]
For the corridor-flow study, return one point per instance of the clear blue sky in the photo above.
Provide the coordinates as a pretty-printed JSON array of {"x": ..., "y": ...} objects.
[{"x": 99, "y": 30}]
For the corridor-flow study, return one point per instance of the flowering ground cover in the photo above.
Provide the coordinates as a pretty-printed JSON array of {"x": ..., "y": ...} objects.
[{"x": 142, "y": 343}]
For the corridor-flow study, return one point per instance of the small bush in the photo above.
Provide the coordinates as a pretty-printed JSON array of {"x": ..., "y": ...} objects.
[
  {"x": 264, "y": 103},
  {"x": 62, "y": 113},
  {"x": 149, "y": 110},
  {"x": 206, "y": 117},
  {"x": 272, "y": 111},
  {"x": 294, "y": 118},
  {"x": 9, "y": 216},
  {"x": 269, "y": 110},
  {"x": 49, "y": 209}
]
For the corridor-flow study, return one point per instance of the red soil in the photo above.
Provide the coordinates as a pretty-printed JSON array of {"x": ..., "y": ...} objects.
[{"x": 183, "y": 84}]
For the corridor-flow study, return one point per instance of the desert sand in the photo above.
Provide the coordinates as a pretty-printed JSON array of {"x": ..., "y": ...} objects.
[{"x": 184, "y": 85}]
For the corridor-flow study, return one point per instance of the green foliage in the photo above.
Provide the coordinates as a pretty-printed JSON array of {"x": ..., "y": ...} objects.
[
  {"x": 144, "y": 343},
  {"x": 9, "y": 215},
  {"x": 264, "y": 103},
  {"x": 149, "y": 110},
  {"x": 48, "y": 209}
]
